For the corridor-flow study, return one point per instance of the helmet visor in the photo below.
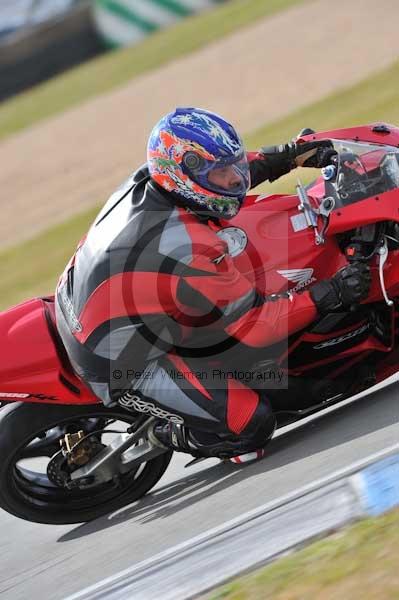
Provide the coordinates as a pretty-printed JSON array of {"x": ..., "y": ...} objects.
[{"x": 227, "y": 176}]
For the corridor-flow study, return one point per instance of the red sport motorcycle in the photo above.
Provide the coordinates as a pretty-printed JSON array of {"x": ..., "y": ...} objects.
[{"x": 65, "y": 458}]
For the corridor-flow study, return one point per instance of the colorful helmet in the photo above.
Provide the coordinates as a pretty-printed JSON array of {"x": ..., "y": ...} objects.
[{"x": 184, "y": 147}]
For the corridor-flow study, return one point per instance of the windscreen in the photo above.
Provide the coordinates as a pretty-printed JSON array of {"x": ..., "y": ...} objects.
[{"x": 361, "y": 170}]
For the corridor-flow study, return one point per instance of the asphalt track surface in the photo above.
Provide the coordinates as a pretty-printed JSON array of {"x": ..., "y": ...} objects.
[{"x": 50, "y": 562}]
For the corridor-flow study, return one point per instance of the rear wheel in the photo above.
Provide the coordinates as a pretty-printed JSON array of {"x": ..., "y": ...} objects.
[{"x": 29, "y": 437}]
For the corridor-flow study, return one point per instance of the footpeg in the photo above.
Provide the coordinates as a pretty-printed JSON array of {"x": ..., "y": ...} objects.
[{"x": 196, "y": 461}]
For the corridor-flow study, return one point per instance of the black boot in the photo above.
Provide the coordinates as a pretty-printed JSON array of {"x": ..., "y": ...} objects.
[
  {"x": 176, "y": 437},
  {"x": 201, "y": 444}
]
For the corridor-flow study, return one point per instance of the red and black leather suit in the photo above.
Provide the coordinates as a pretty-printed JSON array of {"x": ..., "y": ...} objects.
[{"x": 151, "y": 292}]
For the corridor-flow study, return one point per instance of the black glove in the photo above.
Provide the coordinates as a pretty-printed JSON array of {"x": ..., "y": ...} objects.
[
  {"x": 349, "y": 286},
  {"x": 321, "y": 152}
]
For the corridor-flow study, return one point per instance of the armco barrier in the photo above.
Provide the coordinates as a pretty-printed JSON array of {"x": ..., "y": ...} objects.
[
  {"x": 35, "y": 54},
  {"x": 125, "y": 22},
  {"x": 38, "y": 53},
  {"x": 368, "y": 487}
]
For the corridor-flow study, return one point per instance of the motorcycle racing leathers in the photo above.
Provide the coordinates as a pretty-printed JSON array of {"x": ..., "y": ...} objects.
[{"x": 152, "y": 304}]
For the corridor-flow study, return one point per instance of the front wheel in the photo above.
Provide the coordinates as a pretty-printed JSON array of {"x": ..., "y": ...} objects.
[{"x": 29, "y": 437}]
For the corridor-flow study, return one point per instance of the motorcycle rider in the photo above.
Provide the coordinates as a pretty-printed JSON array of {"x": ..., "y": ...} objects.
[{"x": 152, "y": 292}]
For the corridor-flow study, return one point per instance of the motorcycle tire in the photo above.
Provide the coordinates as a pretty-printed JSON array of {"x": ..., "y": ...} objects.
[{"x": 30, "y": 431}]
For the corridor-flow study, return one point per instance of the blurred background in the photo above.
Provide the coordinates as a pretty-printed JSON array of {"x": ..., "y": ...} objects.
[
  {"x": 82, "y": 82},
  {"x": 40, "y": 38}
]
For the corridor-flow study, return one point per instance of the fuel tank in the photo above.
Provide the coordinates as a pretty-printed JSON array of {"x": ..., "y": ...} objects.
[{"x": 272, "y": 245}]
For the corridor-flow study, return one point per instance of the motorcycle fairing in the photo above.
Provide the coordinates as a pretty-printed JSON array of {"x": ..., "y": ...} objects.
[
  {"x": 365, "y": 133},
  {"x": 274, "y": 247},
  {"x": 33, "y": 364}
]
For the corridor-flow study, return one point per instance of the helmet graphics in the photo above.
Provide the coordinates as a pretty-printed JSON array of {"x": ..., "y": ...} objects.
[{"x": 190, "y": 151}]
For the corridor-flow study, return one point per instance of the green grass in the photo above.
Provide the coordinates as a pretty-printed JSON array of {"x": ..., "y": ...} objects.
[
  {"x": 374, "y": 99},
  {"x": 360, "y": 563},
  {"x": 113, "y": 69},
  {"x": 33, "y": 267}
]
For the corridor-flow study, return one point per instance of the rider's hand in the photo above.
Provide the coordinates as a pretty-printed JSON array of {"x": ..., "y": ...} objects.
[
  {"x": 306, "y": 154},
  {"x": 315, "y": 154},
  {"x": 348, "y": 287}
]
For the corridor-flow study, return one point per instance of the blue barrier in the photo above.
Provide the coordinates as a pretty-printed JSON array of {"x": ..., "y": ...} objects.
[{"x": 380, "y": 486}]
